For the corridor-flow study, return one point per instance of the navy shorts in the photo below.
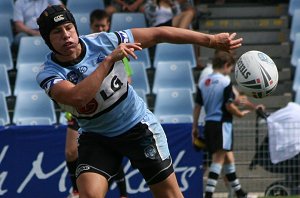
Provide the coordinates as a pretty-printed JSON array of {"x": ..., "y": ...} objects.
[
  {"x": 145, "y": 147},
  {"x": 218, "y": 136}
]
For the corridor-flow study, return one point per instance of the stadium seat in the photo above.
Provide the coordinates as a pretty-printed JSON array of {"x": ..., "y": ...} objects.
[
  {"x": 4, "y": 81},
  {"x": 141, "y": 93},
  {"x": 26, "y": 78},
  {"x": 295, "y": 25},
  {"x": 175, "y": 52},
  {"x": 296, "y": 50},
  {"x": 297, "y": 96},
  {"x": 62, "y": 118},
  {"x": 83, "y": 23},
  {"x": 139, "y": 77},
  {"x": 143, "y": 56},
  {"x": 296, "y": 82},
  {"x": 7, "y": 7},
  {"x": 175, "y": 119},
  {"x": 34, "y": 108},
  {"x": 5, "y": 53},
  {"x": 170, "y": 102},
  {"x": 127, "y": 20},
  {"x": 173, "y": 74},
  {"x": 4, "y": 115},
  {"x": 6, "y": 27},
  {"x": 293, "y": 5},
  {"x": 86, "y": 6},
  {"x": 32, "y": 49}
]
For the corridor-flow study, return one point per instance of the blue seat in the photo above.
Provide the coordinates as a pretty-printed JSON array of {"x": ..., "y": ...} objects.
[
  {"x": 170, "y": 102},
  {"x": 173, "y": 74},
  {"x": 4, "y": 115},
  {"x": 175, "y": 119},
  {"x": 174, "y": 52},
  {"x": 293, "y": 5},
  {"x": 4, "y": 81},
  {"x": 296, "y": 50},
  {"x": 26, "y": 78},
  {"x": 141, "y": 93},
  {"x": 5, "y": 53},
  {"x": 139, "y": 77},
  {"x": 143, "y": 56},
  {"x": 34, "y": 108},
  {"x": 62, "y": 118},
  {"x": 6, "y": 27},
  {"x": 7, "y": 7},
  {"x": 83, "y": 23},
  {"x": 296, "y": 82},
  {"x": 32, "y": 49},
  {"x": 297, "y": 97},
  {"x": 86, "y": 6},
  {"x": 295, "y": 25},
  {"x": 127, "y": 20}
]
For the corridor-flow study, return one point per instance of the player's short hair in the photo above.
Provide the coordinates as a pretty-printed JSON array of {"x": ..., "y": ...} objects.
[
  {"x": 52, "y": 17},
  {"x": 221, "y": 58}
]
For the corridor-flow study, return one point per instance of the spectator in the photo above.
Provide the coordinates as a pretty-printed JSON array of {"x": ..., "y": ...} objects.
[
  {"x": 215, "y": 94},
  {"x": 169, "y": 13},
  {"x": 25, "y": 15},
  {"x": 124, "y": 6},
  {"x": 85, "y": 75},
  {"x": 99, "y": 21}
]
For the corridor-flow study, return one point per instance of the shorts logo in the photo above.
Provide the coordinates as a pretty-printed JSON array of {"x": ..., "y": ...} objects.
[
  {"x": 150, "y": 152},
  {"x": 81, "y": 169},
  {"x": 59, "y": 18}
]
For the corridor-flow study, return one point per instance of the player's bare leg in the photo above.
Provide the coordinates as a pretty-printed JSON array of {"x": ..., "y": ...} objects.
[
  {"x": 168, "y": 188},
  {"x": 92, "y": 185}
]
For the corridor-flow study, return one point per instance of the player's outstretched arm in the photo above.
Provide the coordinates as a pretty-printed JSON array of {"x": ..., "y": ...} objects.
[
  {"x": 80, "y": 94},
  {"x": 151, "y": 36}
]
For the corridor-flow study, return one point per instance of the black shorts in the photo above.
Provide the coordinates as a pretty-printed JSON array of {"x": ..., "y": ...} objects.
[
  {"x": 103, "y": 155},
  {"x": 218, "y": 136}
]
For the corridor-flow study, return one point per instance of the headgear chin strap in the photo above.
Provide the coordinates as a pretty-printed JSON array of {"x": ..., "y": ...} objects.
[{"x": 52, "y": 17}]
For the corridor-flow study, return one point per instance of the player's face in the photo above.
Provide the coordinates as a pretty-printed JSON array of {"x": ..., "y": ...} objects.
[
  {"x": 100, "y": 25},
  {"x": 64, "y": 39}
]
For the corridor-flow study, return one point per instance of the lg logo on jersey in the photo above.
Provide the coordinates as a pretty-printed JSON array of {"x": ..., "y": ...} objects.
[
  {"x": 115, "y": 85},
  {"x": 59, "y": 18}
]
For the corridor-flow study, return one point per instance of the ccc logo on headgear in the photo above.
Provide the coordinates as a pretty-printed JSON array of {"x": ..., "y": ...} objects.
[{"x": 59, "y": 18}]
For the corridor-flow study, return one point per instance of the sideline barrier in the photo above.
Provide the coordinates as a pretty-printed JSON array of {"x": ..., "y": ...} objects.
[{"x": 32, "y": 163}]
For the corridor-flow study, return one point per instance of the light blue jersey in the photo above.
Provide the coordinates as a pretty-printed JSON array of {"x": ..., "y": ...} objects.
[
  {"x": 215, "y": 91},
  {"x": 116, "y": 107}
]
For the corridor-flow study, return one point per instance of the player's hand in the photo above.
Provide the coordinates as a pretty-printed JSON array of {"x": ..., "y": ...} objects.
[
  {"x": 245, "y": 112},
  {"x": 225, "y": 41},
  {"x": 195, "y": 133},
  {"x": 125, "y": 50}
]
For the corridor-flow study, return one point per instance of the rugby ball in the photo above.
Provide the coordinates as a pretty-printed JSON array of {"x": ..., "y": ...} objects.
[{"x": 256, "y": 74}]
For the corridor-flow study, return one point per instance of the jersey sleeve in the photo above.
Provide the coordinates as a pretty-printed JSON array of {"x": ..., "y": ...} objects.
[
  {"x": 199, "y": 99},
  {"x": 124, "y": 36},
  {"x": 47, "y": 79},
  {"x": 228, "y": 94}
]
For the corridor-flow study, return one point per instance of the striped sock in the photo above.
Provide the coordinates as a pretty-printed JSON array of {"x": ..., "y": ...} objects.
[{"x": 213, "y": 175}]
